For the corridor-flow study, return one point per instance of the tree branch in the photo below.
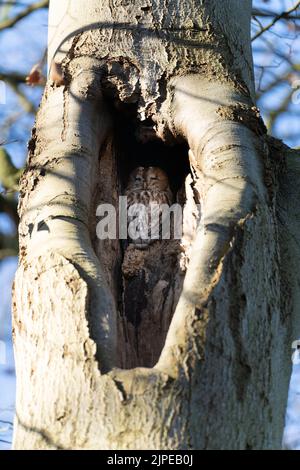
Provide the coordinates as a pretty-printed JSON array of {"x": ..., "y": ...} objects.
[
  {"x": 25, "y": 102},
  {"x": 3, "y": 421},
  {"x": 13, "y": 3},
  {"x": 13, "y": 77},
  {"x": 271, "y": 14},
  {"x": 10, "y": 22},
  {"x": 283, "y": 15},
  {"x": 14, "y": 80},
  {"x": 5, "y": 442}
]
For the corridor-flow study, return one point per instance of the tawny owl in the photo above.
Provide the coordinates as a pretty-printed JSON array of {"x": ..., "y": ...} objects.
[{"x": 147, "y": 190}]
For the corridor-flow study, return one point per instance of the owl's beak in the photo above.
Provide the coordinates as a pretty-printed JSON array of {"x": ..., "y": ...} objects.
[{"x": 144, "y": 185}]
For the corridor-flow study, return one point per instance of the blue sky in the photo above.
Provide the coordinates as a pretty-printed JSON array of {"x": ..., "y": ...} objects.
[{"x": 284, "y": 39}]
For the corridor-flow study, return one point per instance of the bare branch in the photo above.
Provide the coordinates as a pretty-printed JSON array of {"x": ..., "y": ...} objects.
[
  {"x": 6, "y": 422},
  {"x": 14, "y": 80},
  {"x": 283, "y": 15},
  {"x": 6, "y": 442},
  {"x": 275, "y": 113},
  {"x": 271, "y": 14},
  {"x": 13, "y": 3},
  {"x": 28, "y": 106},
  {"x": 10, "y": 22},
  {"x": 13, "y": 77}
]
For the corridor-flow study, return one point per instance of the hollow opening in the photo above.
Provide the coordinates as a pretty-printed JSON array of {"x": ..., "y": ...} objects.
[
  {"x": 146, "y": 283},
  {"x": 137, "y": 146}
]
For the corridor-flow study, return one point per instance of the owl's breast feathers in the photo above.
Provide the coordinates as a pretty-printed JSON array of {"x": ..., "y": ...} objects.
[
  {"x": 147, "y": 197},
  {"x": 150, "y": 188}
]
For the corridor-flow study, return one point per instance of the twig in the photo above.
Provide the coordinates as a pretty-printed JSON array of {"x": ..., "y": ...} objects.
[
  {"x": 4, "y": 142},
  {"x": 6, "y": 442},
  {"x": 10, "y": 22},
  {"x": 284, "y": 14},
  {"x": 272, "y": 14},
  {"x": 6, "y": 422}
]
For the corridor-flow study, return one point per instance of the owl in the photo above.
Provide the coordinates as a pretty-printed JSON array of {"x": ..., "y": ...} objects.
[{"x": 147, "y": 190}]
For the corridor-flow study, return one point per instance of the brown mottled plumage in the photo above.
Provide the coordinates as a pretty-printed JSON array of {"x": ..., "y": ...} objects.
[{"x": 149, "y": 187}]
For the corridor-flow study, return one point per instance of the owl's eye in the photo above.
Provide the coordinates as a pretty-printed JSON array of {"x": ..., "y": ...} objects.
[
  {"x": 138, "y": 178},
  {"x": 153, "y": 177}
]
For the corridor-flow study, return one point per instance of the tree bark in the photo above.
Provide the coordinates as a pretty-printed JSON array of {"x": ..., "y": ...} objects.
[{"x": 186, "y": 345}]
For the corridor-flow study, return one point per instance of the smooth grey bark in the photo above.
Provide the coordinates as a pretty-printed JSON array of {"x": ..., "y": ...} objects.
[{"x": 222, "y": 376}]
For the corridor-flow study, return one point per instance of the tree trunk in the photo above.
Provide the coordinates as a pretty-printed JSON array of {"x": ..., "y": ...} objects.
[{"x": 184, "y": 345}]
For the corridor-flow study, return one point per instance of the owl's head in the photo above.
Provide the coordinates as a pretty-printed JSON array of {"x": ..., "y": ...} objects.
[
  {"x": 152, "y": 178},
  {"x": 156, "y": 179},
  {"x": 137, "y": 178}
]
